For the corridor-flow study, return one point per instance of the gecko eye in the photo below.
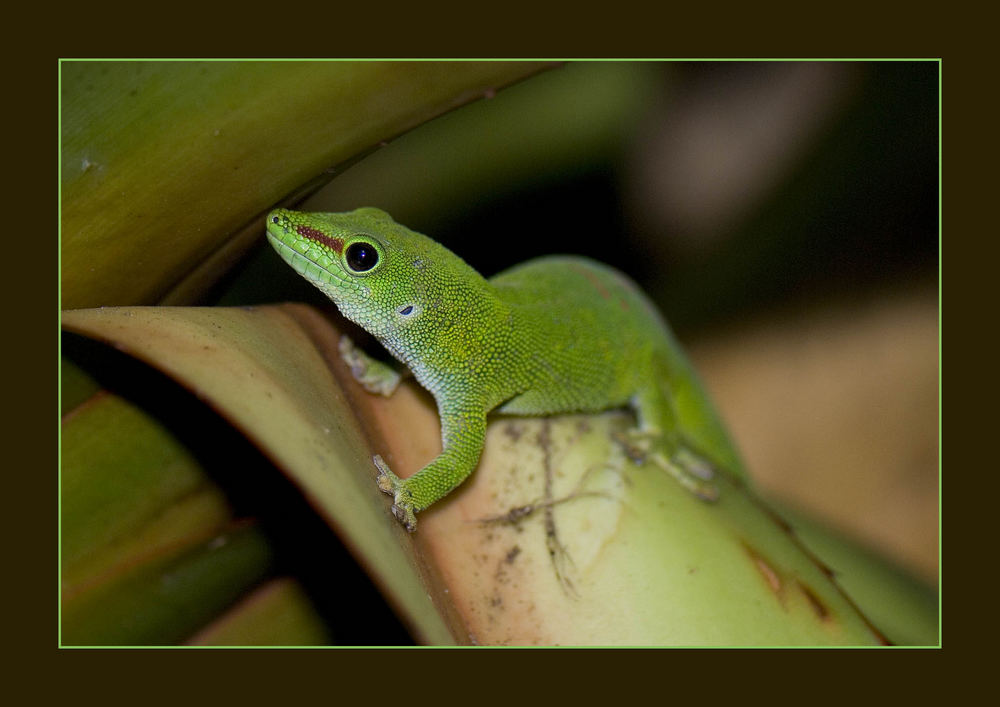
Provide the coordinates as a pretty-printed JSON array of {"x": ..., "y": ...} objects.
[{"x": 361, "y": 256}]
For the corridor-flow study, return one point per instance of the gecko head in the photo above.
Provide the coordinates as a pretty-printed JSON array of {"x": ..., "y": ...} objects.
[{"x": 381, "y": 275}]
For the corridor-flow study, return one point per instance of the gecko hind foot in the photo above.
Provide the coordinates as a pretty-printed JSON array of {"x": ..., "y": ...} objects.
[
  {"x": 636, "y": 444},
  {"x": 690, "y": 469},
  {"x": 389, "y": 483}
]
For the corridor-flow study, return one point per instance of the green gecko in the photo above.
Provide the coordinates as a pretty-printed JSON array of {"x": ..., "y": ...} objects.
[{"x": 556, "y": 334}]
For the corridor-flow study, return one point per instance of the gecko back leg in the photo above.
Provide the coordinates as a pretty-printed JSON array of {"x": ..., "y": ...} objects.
[{"x": 659, "y": 438}]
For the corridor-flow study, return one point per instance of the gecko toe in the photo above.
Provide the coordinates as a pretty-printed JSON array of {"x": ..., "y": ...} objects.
[
  {"x": 385, "y": 484},
  {"x": 406, "y": 517}
]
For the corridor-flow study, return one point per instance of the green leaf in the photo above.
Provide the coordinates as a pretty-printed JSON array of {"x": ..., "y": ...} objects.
[
  {"x": 559, "y": 539},
  {"x": 166, "y": 166},
  {"x": 556, "y": 539},
  {"x": 277, "y": 614},
  {"x": 904, "y": 608},
  {"x": 267, "y": 369},
  {"x": 164, "y": 600},
  {"x": 75, "y": 385},
  {"x": 129, "y": 490}
]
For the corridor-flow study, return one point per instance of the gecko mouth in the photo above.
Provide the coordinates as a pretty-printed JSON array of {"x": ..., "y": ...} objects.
[{"x": 285, "y": 242}]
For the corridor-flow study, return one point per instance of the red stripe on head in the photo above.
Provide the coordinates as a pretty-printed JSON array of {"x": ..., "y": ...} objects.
[{"x": 334, "y": 244}]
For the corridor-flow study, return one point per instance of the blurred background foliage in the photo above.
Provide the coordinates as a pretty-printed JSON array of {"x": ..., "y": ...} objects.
[{"x": 783, "y": 214}]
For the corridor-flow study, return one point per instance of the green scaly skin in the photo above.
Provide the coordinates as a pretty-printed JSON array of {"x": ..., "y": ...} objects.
[{"x": 553, "y": 335}]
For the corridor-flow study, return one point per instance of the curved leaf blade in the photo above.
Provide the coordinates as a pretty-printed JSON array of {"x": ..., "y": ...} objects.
[
  {"x": 556, "y": 539},
  {"x": 267, "y": 369},
  {"x": 163, "y": 161}
]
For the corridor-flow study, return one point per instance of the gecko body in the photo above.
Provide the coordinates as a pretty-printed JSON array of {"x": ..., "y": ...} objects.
[{"x": 556, "y": 334}]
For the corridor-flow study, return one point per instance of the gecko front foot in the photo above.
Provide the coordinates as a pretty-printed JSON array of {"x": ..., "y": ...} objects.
[{"x": 402, "y": 498}]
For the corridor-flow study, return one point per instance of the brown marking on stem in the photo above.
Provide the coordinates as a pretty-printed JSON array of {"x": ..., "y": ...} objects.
[
  {"x": 512, "y": 431},
  {"x": 822, "y": 612},
  {"x": 820, "y": 565},
  {"x": 557, "y": 553},
  {"x": 769, "y": 574}
]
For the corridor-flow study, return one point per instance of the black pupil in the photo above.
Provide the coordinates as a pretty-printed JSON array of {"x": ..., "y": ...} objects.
[{"x": 361, "y": 256}]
